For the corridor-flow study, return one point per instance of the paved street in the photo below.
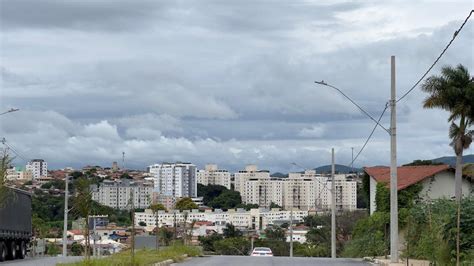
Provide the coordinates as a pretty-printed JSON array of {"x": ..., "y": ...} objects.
[
  {"x": 39, "y": 261},
  {"x": 274, "y": 261}
]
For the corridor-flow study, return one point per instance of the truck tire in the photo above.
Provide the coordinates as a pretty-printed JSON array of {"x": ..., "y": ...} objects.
[
  {"x": 3, "y": 251},
  {"x": 22, "y": 250},
  {"x": 12, "y": 250}
]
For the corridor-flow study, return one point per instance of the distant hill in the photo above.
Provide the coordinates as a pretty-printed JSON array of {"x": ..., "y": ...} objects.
[
  {"x": 451, "y": 160},
  {"x": 279, "y": 175},
  {"x": 342, "y": 169}
]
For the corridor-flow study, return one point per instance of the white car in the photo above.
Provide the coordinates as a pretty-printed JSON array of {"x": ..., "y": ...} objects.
[{"x": 261, "y": 251}]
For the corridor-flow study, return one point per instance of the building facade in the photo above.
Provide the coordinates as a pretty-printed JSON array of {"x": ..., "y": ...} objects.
[
  {"x": 175, "y": 179},
  {"x": 255, "y": 219},
  {"x": 118, "y": 194},
  {"x": 19, "y": 174},
  {"x": 304, "y": 191},
  {"x": 38, "y": 168},
  {"x": 212, "y": 175}
]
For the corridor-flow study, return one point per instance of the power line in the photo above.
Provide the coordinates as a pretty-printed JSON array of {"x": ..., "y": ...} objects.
[
  {"x": 370, "y": 136},
  {"x": 9, "y": 146},
  {"x": 456, "y": 33},
  {"x": 353, "y": 102}
]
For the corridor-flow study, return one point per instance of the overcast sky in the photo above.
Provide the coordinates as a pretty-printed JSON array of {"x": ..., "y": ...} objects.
[{"x": 226, "y": 82}]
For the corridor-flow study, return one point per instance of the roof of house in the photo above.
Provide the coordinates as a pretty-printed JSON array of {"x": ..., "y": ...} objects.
[{"x": 407, "y": 175}]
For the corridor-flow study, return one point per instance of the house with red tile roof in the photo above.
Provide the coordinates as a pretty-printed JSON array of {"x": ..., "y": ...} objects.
[{"x": 437, "y": 181}]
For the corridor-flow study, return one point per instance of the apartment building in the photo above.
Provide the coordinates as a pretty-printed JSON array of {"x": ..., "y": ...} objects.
[
  {"x": 304, "y": 191},
  {"x": 175, "y": 179},
  {"x": 255, "y": 219},
  {"x": 19, "y": 174},
  {"x": 38, "y": 168},
  {"x": 212, "y": 175},
  {"x": 118, "y": 194}
]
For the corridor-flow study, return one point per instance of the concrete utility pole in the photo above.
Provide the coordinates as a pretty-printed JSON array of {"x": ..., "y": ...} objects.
[
  {"x": 291, "y": 231},
  {"x": 393, "y": 170},
  {"x": 66, "y": 196},
  {"x": 333, "y": 208}
]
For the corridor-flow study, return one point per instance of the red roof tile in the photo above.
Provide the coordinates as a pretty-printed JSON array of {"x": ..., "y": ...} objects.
[{"x": 407, "y": 175}]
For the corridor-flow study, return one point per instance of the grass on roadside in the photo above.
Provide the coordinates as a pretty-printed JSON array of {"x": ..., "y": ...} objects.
[{"x": 142, "y": 257}]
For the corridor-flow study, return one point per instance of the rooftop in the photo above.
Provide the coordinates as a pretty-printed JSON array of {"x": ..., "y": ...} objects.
[{"x": 407, "y": 175}]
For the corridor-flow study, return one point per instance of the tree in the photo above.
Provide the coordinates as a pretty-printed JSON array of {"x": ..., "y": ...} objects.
[
  {"x": 207, "y": 242},
  {"x": 275, "y": 233},
  {"x": 248, "y": 206},
  {"x": 226, "y": 200},
  {"x": 230, "y": 231},
  {"x": 77, "y": 249},
  {"x": 233, "y": 246},
  {"x": 142, "y": 223},
  {"x": 82, "y": 205},
  {"x": 422, "y": 162},
  {"x": 155, "y": 208},
  {"x": 274, "y": 205},
  {"x": 4, "y": 165},
  {"x": 453, "y": 91},
  {"x": 185, "y": 204}
]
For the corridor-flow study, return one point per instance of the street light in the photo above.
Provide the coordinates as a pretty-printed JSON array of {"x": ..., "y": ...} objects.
[
  {"x": 393, "y": 157},
  {"x": 10, "y": 111}
]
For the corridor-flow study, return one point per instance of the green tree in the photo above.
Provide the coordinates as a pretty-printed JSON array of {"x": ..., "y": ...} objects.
[
  {"x": 77, "y": 249},
  {"x": 275, "y": 233},
  {"x": 453, "y": 91},
  {"x": 207, "y": 242},
  {"x": 274, "y": 205},
  {"x": 248, "y": 206},
  {"x": 230, "y": 231},
  {"x": 82, "y": 206},
  {"x": 165, "y": 235},
  {"x": 228, "y": 199},
  {"x": 185, "y": 204},
  {"x": 4, "y": 166},
  {"x": 311, "y": 250},
  {"x": 52, "y": 249},
  {"x": 369, "y": 238},
  {"x": 233, "y": 246},
  {"x": 155, "y": 208}
]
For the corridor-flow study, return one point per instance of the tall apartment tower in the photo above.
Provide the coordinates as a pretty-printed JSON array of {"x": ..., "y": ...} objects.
[
  {"x": 212, "y": 175},
  {"x": 38, "y": 168},
  {"x": 175, "y": 179}
]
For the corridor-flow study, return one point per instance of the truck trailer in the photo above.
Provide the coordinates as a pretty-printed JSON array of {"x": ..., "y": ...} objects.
[{"x": 15, "y": 224}]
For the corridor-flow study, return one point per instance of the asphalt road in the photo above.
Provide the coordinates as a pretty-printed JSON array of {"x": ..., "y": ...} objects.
[
  {"x": 267, "y": 261},
  {"x": 40, "y": 261}
]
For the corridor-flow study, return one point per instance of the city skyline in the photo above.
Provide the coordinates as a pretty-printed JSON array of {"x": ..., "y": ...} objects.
[{"x": 210, "y": 83}]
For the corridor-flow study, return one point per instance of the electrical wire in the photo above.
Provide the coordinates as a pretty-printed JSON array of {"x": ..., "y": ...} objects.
[
  {"x": 354, "y": 103},
  {"x": 456, "y": 33},
  {"x": 371, "y": 134},
  {"x": 9, "y": 146}
]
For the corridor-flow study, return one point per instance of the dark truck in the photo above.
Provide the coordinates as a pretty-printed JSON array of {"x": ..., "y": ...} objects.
[{"x": 15, "y": 224}]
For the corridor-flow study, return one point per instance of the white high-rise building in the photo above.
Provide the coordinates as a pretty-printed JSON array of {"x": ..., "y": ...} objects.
[
  {"x": 175, "y": 179},
  {"x": 118, "y": 194},
  {"x": 38, "y": 168},
  {"x": 303, "y": 191},
  {"x": 212, "y": 175}
]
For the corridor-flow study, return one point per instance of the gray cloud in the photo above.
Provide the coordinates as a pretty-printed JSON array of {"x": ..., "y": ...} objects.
[{"x": 226, "y": 83}]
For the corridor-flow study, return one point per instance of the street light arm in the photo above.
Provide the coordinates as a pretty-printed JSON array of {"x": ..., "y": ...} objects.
[
  {"x": 10, "y": 111},
  {"x": 358, "y": 106}
]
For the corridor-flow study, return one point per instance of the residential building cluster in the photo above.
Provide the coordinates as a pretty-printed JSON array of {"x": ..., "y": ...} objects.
[
  {"x": 254, "y": 219},
  {"x": 304, "y": 191}
]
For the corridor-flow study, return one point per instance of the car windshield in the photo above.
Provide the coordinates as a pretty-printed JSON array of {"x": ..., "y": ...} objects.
[{"x": 262, "y": 249}]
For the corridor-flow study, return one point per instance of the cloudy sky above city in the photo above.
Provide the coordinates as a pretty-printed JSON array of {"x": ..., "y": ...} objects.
[{"x": 226, "y": 82}]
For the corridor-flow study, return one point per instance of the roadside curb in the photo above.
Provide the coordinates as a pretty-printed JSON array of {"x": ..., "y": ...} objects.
[{"x": 169, "y": 261}]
